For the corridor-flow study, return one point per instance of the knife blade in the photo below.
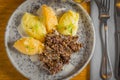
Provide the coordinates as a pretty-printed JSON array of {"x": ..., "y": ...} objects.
[{"x": 117, "y": 24}]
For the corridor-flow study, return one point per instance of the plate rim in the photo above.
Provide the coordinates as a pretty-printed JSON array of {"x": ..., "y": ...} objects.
[{"x": 71, "y": 76}]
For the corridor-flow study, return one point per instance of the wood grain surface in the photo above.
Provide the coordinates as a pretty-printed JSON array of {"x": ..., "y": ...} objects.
[{"x": 7, "y": 70}]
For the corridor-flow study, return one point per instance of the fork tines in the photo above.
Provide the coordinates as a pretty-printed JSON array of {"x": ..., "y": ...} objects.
[{"x": 103, "y": 5}]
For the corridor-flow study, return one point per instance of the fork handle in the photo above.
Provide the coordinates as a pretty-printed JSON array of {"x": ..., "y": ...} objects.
[{"x": 106, "y": 68}]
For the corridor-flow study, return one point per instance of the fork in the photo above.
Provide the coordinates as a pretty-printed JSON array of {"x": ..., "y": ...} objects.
[{"x": 106, "y": 68}]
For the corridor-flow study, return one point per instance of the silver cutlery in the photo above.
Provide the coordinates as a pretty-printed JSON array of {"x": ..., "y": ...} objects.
[
  {"x": 117, "y": 24},
  {"x": 106, "y": 68}
]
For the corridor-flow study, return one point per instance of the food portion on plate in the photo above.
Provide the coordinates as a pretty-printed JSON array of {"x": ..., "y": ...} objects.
[
  {"x": 48, "y": 17},
  {"x": 68, "y": 23},
  {"x": 29, "y": 46},
  {"x": 33, "y": 27},
  {"x": 52, "y": 39},
  {"x": 58, "y": 50}
]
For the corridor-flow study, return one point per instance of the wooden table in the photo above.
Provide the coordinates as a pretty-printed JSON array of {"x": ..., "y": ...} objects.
[{"x": 7, "y": 71}]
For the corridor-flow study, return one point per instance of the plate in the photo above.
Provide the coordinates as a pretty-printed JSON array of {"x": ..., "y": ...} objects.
[{"x": 33, "y": 70}]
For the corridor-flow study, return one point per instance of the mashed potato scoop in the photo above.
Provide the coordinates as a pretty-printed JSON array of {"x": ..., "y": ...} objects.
[
  {"x": 68, "y": 23},
  {"x": 48, "y": 18},
  {"x": 29, "y": 46},
  {"x": 33, "y": 27}
]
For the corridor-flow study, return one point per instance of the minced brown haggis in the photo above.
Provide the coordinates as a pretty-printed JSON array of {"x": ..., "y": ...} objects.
[{"x": 58, "y": 49}]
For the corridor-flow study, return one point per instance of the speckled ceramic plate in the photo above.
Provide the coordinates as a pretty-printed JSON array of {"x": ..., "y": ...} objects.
[{"x": 78, "y": 60}]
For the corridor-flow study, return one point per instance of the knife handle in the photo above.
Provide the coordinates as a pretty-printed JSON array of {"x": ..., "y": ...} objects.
[{"x": 118, "y": 57}]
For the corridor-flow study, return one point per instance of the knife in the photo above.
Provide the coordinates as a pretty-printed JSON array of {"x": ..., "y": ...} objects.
[{"x": 117, "y": 24}]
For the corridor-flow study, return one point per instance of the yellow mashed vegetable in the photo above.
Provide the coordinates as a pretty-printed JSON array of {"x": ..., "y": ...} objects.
[
  {"x": 29, "y": 46},
  {"x": 48, "y": 18},
  {"x": 33, "y": 27},
  {"x": 68, "y": 23}
]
